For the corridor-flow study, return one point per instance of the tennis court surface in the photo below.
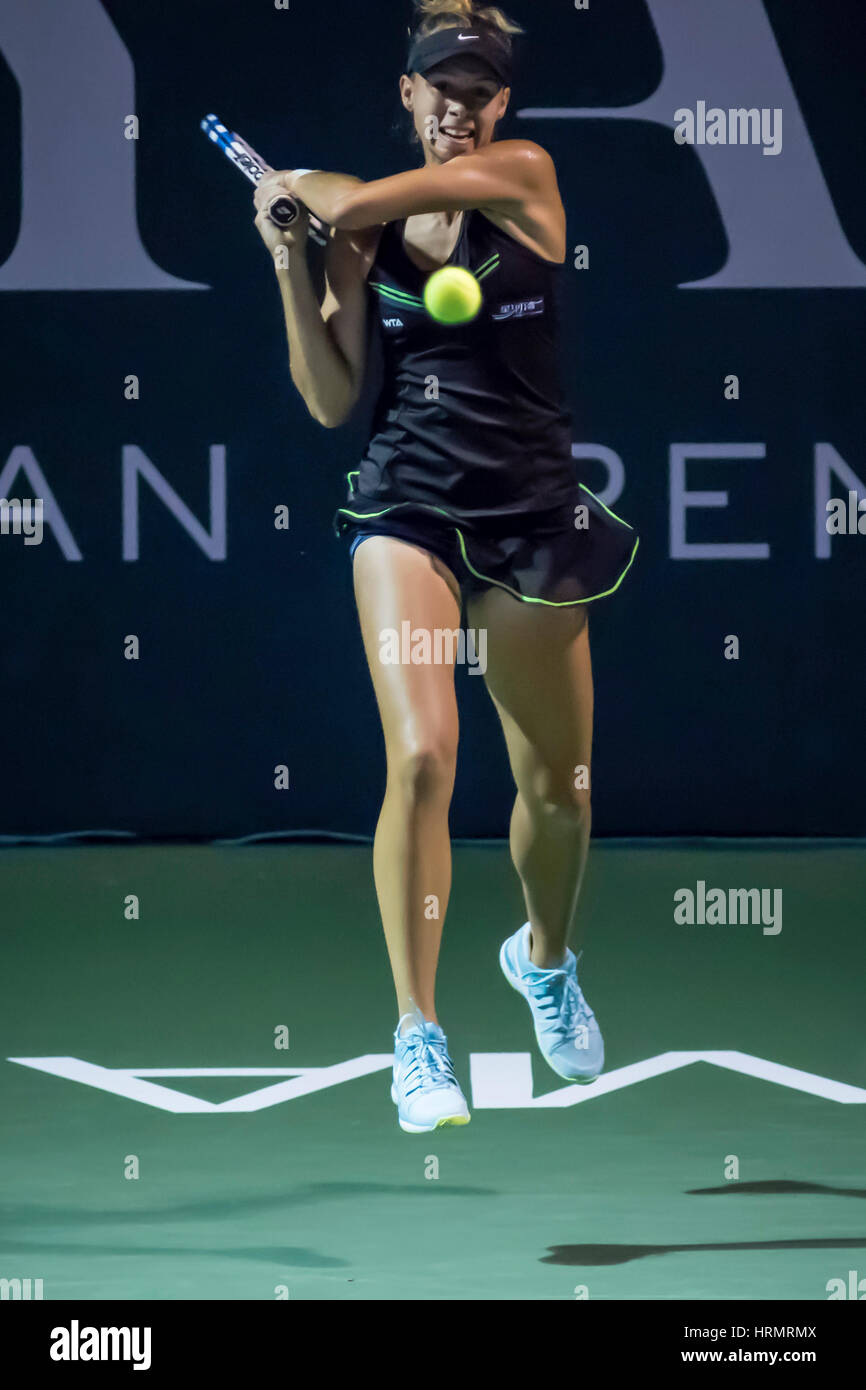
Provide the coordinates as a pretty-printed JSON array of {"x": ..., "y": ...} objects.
[{"x": 161, "y": 1142}]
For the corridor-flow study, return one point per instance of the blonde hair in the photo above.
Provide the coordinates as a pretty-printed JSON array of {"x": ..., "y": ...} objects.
[{"x": 433, "y": 15}]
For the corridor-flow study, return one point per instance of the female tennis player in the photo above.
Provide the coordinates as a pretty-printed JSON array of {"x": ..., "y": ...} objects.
[{"x": 467, "y": 496}]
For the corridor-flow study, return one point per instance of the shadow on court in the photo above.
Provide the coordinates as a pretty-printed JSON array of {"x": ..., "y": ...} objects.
[
  {"x": 781, "y": 1185},
  {"x": 622, "y": 1254}
]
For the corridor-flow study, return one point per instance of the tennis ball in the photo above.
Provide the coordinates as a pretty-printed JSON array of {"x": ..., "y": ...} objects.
[{"x": 452, "y": 295}]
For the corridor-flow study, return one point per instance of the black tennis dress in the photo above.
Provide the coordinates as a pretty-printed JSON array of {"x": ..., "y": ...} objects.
[{"x": 470, "y": 447}]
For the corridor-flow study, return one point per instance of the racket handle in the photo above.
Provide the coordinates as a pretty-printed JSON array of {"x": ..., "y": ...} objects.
[{"x": 283, "y": 211}]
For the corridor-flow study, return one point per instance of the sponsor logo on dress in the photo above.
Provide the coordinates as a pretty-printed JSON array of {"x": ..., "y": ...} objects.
[
  {"x": 520, "y": 309},
  {"x": 393, "y": 323}
]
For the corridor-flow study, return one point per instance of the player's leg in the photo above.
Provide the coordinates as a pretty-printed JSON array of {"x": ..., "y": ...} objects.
[
  {"x": 397, "y": 582},
  {"x": 539, "y": 675}
]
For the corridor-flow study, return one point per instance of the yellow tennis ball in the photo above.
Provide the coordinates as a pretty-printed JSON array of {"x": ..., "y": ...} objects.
[{"x": 452, "y": 295}]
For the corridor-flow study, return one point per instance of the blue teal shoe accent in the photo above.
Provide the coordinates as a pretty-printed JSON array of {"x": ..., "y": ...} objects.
[
  {"x": 425, "y": 1089},
  {"x": 565, "y": 1026}
]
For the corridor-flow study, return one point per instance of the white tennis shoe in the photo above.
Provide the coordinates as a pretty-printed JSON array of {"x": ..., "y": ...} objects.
[
  {"x": 425, "y": 1089},
  {"x": 565, "y": 1026}
]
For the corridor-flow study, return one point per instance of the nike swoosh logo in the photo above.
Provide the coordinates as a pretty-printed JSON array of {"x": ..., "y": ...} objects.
[{"x": 468, "y": 38}]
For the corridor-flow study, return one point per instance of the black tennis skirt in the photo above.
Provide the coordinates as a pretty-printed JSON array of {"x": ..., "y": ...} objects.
[{"x": 577, "y": 552}]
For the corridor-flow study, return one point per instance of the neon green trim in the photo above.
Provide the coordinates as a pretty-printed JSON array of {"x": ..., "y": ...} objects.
[
  {"x": 487, "y": 267},
  {"x": 430, "y": 506},
  {"x": 607, "y": 509},
  {"x": 402, "y": 301},
  {"x": 397, "y": 296},
  {"x": 363, "y": 516},
  {"x": 370, "y": 516},
  {"x": 548, "y": 602},
  {"x": 524, "y": 598}
]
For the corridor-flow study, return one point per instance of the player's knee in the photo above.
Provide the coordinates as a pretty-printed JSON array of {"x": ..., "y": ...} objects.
[
  {"x": 561, "y": 805},
  {"x": 425, "y": 771}
]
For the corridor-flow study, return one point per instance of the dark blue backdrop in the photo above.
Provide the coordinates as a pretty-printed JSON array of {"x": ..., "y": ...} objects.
[{"x": 252, "y": 658}]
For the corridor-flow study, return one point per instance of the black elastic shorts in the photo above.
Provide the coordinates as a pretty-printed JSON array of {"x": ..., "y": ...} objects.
[{"x": 439, "y": 540}]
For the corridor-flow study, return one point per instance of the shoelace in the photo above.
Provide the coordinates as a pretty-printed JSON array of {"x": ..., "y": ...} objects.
[
  {"x": 560, "y": 1001},
  {"x": 426, "y": 1064}
]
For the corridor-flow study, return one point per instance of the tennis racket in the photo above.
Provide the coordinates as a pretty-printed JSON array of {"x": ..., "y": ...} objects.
[{"x": 282, "y": 210}]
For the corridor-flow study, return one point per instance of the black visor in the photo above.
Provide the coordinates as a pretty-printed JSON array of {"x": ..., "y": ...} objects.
[{"x": 428, "y": 52}]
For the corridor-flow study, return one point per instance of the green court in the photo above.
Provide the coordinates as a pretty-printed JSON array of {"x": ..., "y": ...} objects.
[{"x": 313, "y": 1192}]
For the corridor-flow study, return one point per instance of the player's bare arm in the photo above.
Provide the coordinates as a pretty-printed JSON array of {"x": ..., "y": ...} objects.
[{"x": 511, "y": 179}]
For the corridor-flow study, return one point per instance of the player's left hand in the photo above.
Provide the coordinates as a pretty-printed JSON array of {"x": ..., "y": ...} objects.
[{"x": 271, "y": 186}]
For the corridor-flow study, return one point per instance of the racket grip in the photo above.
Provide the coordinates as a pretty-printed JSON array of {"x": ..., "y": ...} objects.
[{"x": 283, "y": 211}]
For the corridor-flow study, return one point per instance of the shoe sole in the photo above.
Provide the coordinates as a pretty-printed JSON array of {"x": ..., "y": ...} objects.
[
  {"x": 509, "y": 975},
  {"x": 441, "y": 1123}
]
